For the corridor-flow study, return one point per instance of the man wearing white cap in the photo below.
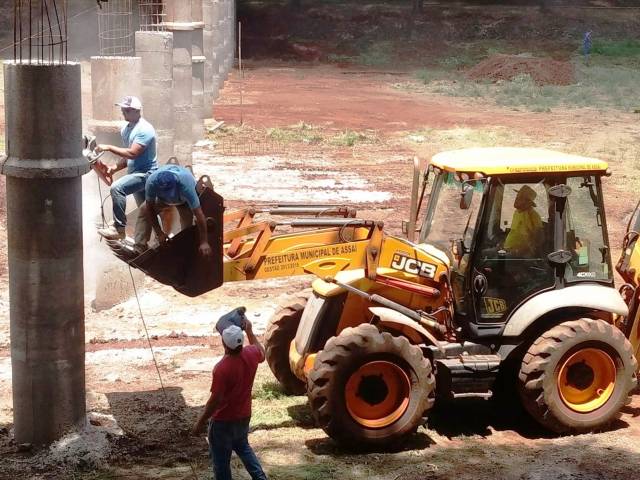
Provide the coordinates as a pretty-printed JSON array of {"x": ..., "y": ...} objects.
[
  {"x": 138, "y": 157},
  {"x": 228, "y": 409}
]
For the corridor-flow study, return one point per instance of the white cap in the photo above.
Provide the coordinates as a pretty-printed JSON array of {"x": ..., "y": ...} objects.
[
  {"x": 233, "y": 337},
  {"x": 130, "y": 102}
]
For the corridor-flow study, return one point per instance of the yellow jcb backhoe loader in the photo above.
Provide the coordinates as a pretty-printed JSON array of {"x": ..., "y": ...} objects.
[{"x": 507, "y": 263}]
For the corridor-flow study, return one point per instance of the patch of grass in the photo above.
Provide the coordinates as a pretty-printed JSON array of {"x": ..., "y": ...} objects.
[
  {"x": 269, "y": 390},
  {"x": 272, "y": 408},
  {"x": 298, "y": 133},
  {"x": 349, "y": 138},
  {"x": 376, "y": 55},
  {"x": 456, "y": 138},
  {"x": 335, "y": 58},
  {"x": 306, "y": 471},
  {"x": 602, "y": 84},
  {"x": 614, "y": 48},
  {"x": 458, "y": 61},
  {"x": 430, "y": 75}
]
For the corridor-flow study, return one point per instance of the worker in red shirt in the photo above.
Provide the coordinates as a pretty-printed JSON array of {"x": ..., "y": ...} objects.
[{"x": 228, "y": 409}]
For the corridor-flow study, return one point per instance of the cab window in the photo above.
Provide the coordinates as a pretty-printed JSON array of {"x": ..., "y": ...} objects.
[
  {"x": 511, "y": 259},
  {"x": 585, "y": 232}
]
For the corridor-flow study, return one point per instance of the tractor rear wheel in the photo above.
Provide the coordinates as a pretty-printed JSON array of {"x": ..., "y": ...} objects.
[
  {"x": 577, "y": 376},
  {"x": 278, "y": 336},
  {"x": 370, "y": 389}
]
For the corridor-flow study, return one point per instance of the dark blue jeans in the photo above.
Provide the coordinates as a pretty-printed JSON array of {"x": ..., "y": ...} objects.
[
  {"x": 129, "y": 184},
  {"x": 227, "y": 437}
]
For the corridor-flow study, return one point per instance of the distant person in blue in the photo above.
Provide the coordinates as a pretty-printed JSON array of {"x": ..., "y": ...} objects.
[
  {"x": 587, "y": 44},
  {"x": 167, "y": 187},
  {"x": 138, "y": 156}
]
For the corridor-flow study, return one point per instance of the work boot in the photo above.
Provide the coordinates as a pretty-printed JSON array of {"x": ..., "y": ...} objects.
[{"x": 112, "y": 233}]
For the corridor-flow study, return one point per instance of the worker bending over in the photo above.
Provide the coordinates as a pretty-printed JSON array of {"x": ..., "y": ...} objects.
[
  {"x": 138, "y": 157},
  {"x": 167, "y": 187}
]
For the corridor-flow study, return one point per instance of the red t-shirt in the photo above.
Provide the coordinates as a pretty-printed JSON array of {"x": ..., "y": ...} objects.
[{"x": 232, "y": 383}]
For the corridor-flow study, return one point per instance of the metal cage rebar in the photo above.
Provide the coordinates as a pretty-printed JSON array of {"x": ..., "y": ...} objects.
[
  {"x": 115, "y": 28},
  {"x": 40, "y": 31},
  {"x": 152, "y": 15}
]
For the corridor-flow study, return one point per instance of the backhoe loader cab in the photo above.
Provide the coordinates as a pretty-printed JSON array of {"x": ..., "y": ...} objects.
[{"x": 515, "y": 223}]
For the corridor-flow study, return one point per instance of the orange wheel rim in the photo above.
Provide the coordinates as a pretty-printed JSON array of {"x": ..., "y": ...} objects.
[
  {"x": 586, "y": 380},
  {"x": 377, "y": 394}
]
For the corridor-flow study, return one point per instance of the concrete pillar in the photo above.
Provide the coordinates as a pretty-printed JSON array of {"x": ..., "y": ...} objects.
[
  {"x": 183, "y": 95},
  {"x": 198, "y": 66},
  {"x": 209, "y": 53},
  {"x": 218, "y": 45},
  {"x": 156, "y": 51},
  {"x": 226, "y": 39},
  {"x": 111, "y": 79},
  {"x": 44, "y": 218}
]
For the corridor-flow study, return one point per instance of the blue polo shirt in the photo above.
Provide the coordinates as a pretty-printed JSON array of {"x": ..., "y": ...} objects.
[
  {"x": 143, "y": 134},
  {"x": 184, "y": 193}
]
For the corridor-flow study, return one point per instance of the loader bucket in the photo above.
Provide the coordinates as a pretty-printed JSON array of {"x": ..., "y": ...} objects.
[{"x": 177, "y": 262}]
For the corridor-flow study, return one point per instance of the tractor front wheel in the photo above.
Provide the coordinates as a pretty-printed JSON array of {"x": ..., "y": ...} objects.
[
  {"x": 577, "y": 376},
  {"x": 369, "y": 388},
  {"x": 280, "y": 332}
]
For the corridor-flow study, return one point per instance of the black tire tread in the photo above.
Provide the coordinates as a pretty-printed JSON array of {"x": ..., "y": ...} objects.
[
  {"x": 338, "y": 351},
  {"x": 277, "y": 338},
  {"x": 536, "y": 364}
]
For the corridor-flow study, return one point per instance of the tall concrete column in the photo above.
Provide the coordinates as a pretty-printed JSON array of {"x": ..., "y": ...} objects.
[
  {"x": 156, "y": 51},
  {"x": 111, "y": 79},
  {"x": 198, "y": 60},
  {"x": 218, "y": 45},
  {"x": 210, "y": 86},
  {"x": 44, "y": 218},
  {"x": 226, "y": 39},
  {"x": 178, "y": 21}
]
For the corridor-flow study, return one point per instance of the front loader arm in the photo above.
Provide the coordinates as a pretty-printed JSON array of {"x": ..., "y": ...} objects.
[
  {"x": 246, "y": 247},
  {"x": 628, "y": 267},
  {"x": 321, "y": 251}
]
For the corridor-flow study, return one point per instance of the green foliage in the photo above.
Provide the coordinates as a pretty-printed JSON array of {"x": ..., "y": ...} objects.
[
  {"x": 271, "y": 406},
  {"x": 460, "y": 60},
  {"x": 377, "y": 54},
  {"x": 430, "y": 75},
  {"x": 335, "y": 58},
  {"x": 349, "y": 138},
  {"x": 269, "y": 391},
  {"x": 300, "y": 132},
  {"x": 306, "y": 471},
  {"x": 613, "y": 48},
  {"x": 601, "y": 84}
]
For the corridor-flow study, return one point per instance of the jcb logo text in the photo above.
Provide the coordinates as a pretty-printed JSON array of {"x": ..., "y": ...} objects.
[{"x": 413, "y": 266}]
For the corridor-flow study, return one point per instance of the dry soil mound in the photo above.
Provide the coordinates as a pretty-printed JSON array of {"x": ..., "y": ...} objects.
[{"x": 543, "y": 71}]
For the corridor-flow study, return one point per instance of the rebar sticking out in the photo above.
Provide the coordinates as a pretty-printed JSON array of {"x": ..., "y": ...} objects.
[
  {"x": 152, "y": 15},
  {"x": 40, "y": 31},
  {"x": 115, "y": 28}
]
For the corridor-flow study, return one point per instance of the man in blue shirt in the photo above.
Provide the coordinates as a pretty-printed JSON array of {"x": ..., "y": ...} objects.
[
  {"x": 167, "y": 187},
  {"x": 138, "y": 157}
]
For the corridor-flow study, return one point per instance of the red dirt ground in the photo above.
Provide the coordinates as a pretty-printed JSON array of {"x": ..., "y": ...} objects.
[{"x": 352, "y": 99}]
